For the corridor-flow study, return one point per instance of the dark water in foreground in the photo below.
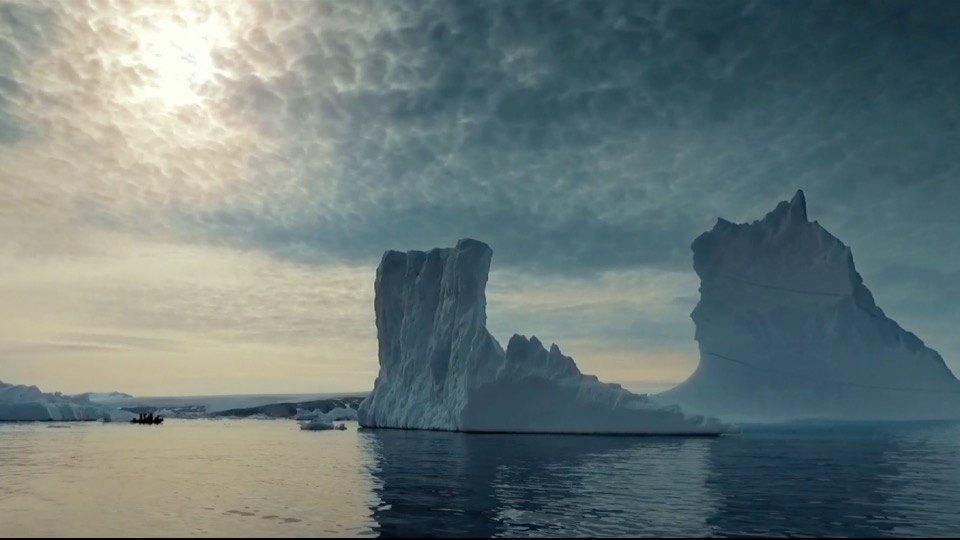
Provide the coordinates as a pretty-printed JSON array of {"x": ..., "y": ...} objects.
[{"x": 252, "y": 478}]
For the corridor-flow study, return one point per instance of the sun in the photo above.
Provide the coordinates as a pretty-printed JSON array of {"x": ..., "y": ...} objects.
[
  {"x": 178, "y": 63},
  {"x": 175, "y": 56}
]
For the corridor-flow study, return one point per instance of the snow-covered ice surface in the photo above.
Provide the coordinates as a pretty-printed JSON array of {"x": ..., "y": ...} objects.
[
  {"x": 20, "y": 403},
  {"x": 440, "y": 369},
  {"x": 787, "y": 330}
]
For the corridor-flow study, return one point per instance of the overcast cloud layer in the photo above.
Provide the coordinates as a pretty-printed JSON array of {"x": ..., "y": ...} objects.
[{"x": 204, "y": 189}]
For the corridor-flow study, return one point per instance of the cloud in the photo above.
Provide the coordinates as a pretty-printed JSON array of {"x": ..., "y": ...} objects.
[
  {"x": 205, "y": 318},
  {"x": 200, "y": 318},
  {"x": 261, "y": 156},
  {"x": 608, "y": 138},
  {"x": 54, "y": 347},
  {"x": 86, "y": 341}
]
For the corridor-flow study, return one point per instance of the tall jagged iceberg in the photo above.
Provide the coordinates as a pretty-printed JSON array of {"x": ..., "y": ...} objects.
[
  {"x": 440, "y": 369},
  {"x": 787, "y": 330}
]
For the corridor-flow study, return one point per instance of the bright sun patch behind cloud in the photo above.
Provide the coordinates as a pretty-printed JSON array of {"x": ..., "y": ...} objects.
[
  {"x": 129, "y": 115},
  {"x": 175, "y": 49}
]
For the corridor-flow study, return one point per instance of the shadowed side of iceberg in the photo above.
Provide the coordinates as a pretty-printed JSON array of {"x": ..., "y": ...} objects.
[
  {"x": 787, "y": 330},
  {"x": 542, "y": 391}
]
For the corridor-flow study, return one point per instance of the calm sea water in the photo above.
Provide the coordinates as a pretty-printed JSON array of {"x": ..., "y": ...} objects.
[{"x": 266, "y": 478}]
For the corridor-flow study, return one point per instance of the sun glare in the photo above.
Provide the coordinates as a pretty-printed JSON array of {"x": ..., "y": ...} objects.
[
  {"x": 175, "y": 56},
  {"x": 180, "y": 63}
]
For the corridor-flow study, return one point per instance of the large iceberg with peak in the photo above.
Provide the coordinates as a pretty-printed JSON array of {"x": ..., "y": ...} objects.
[
  {"x": 788, "y": 330},
  {"x": 20, "y": 403},
  {"x": 440, "y": 369}
]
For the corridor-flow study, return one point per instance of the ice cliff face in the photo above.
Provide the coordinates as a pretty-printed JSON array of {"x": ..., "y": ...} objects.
[
  {"x": 440, "y": 368},
  {"x": 787, "y": 330},
  {"x": 19, "y": 403}
]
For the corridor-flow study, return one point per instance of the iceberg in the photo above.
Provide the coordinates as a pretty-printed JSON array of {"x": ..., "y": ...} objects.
[
  {"x": 333, "y": 415},
  {"x": 305, "y": 414},
  {"x": 19, "y": 403},
  {"x": 440, "y": 369},
  {"x": 787, "y": 330},
  {"x": 317, "y": 424},
  {"x": 339, "y": 414}
]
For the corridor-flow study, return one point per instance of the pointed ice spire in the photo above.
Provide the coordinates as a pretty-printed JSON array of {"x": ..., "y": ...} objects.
[
  {"x": 793, "y": 212},
  {"x": 798, "y": 207}
]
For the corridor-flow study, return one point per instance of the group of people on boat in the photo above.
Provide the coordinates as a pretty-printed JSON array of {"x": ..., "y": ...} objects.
[{"x": 147, "y": 418}]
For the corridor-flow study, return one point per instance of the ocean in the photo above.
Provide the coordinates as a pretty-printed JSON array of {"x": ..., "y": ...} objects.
[{"x": 249, "y": 478}]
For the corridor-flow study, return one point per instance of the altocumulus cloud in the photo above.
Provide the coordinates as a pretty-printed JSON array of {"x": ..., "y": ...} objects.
[{"x": 587, "y": 142}]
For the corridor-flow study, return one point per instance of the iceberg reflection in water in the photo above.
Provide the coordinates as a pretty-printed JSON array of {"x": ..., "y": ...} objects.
[{"x": 846, "y": 480}]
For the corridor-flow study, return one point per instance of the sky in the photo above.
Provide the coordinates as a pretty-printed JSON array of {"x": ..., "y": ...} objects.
[{"x": 194, "y": 195}]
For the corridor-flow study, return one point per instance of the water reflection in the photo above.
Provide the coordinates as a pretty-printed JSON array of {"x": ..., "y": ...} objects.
[
  {"x": 854, "y": 481},
  {"x": 864, "y": 480},
  {"x": 448, "y": 484},
  {"x": 271, "y": 479}
]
